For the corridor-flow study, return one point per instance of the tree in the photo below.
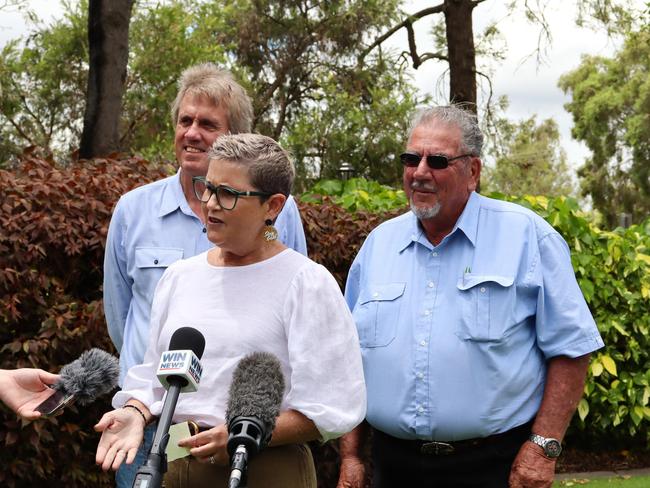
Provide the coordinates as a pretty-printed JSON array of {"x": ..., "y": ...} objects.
[
  {"x": 108, "y": 42},
  {"x": 529, "y": 160},
  {"x": 295, "y": 58},
  {"x": 610, "y": 103}
]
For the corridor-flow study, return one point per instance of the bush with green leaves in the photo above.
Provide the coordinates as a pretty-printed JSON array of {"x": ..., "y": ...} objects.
[
  {"x": 357, "y": 194},
  {"x": 613, "y": 270}
]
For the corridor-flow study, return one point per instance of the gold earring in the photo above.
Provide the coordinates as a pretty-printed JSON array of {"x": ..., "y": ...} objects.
[{"x": 270, "y": 232}]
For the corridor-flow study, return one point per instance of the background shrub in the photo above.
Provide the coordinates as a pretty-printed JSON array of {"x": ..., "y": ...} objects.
[{"x": 53, "y": 224}]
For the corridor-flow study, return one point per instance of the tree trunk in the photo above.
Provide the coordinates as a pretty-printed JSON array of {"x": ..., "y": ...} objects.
[
  {"x": 461, "y": 53},
  {"x": 108, "y": 43}
]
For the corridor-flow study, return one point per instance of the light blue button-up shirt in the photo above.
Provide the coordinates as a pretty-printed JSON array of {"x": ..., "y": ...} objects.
[
  {"x": 455, "y": 337},
  {"x": 152, "y": 227}
]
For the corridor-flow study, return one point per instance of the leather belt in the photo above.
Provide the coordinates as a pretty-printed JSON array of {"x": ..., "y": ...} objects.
[{"x": 440, "y": 448}]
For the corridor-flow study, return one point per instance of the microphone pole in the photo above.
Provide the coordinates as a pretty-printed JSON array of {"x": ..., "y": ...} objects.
[{"x": 150, "y": 474}]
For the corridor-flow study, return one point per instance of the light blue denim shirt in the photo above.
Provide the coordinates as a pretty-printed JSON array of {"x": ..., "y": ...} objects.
[
  {"x": 455, "y": 337},
  {"x": 152, "y": 227}
]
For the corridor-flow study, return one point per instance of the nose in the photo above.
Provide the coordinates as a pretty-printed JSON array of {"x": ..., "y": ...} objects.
[
  {"x": 212, "y": 202},
  {"x": 422, "y": 170},
  {"x": 192, "y": 132}
]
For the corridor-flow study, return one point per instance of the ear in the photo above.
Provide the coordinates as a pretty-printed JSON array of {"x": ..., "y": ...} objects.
[
  {"x": 474, "y": 174},
  {"x": 275, "y": 203}
]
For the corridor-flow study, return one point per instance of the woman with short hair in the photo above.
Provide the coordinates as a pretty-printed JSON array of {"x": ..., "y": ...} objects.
[{"x": 249, "y": 293}]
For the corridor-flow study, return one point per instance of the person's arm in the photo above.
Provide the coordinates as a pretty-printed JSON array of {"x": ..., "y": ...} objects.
[
  {"x": 122, "y": 433},
  {"x": 352, "y": 473},
  {"x": 562, "y": 391},
  {"x": 289, "y": 226},
  {"x": 291, "y": 427},
  {"x": 117, "y": 285},
  {"x": 22, "y": 390}
]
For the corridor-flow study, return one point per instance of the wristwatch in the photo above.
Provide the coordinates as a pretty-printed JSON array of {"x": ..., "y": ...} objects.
[{"x": 552, "y": 447}]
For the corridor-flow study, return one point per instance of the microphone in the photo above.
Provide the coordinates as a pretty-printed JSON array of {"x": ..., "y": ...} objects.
[
  {"x": 179, "y": 371},
  {"x": 91, "y": 375},
  {"x": 255, "y": 396}
]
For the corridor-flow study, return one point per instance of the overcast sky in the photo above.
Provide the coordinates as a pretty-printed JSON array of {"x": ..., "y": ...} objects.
[{"x": 531, "y": 87}]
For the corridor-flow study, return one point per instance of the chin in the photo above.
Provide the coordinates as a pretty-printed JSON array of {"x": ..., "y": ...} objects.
[{"x": 425, "y": 212}]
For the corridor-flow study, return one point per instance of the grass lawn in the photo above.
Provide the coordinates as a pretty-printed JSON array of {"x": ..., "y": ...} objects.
[{"x": 620, "y": 481}]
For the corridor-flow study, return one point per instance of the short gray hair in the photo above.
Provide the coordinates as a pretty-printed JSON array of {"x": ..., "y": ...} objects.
[
  {"x": 219, "y": 86},
  {"x": 453, "y": 115},
  {"x": 269, "y": 166}
]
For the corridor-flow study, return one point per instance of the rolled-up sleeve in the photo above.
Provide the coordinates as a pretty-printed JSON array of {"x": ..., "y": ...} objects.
[
  {"x": 327, "y": 383},
  {"x": 564, "y": 324}
]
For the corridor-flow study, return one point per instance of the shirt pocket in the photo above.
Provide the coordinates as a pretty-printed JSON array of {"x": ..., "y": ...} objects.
[
  {"x": 377, "y": 313},
  {"x": 486, "y": 302},
  {"x": 150, "y": 264}
]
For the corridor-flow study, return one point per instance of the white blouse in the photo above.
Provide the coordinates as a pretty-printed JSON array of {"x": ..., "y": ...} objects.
[{"x": 286, "y": 305}]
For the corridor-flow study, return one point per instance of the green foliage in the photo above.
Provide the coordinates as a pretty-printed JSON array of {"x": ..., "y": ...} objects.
[
  {"x": 357, "y": 194},
  {"x": 529, "y": 160},
  {"x": 43, "y": 86},
  {"x": 610, "y": 102},
  {"x": 613, "y": 270},
  {"x": 297, "y": 60}
]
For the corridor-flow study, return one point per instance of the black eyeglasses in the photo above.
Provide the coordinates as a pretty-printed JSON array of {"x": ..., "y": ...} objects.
[
  {"x": 226, "y": 196},
  {"x": 435, "y": 161}
]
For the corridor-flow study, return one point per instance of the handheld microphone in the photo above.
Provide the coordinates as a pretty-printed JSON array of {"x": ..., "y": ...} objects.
[
  {"x": 179, "y": 371},
  {"x": 255, "y": 396},
  {"x": 91, "y": 375}
]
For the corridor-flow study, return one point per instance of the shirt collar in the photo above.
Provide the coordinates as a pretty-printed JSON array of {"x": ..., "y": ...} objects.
[
  {"x": 468, "y": 220},
  {"x": 173, "y": 198},
  {"x": 467, "y": 223}
]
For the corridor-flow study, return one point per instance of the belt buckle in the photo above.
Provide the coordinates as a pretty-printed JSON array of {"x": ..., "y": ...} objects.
[{"x": 436, "y": 448}]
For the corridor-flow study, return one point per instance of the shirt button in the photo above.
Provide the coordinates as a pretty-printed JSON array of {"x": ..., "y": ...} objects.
[
  {"x": 427, "y": 312},
  {"x": 420, "y": 375},
  {"x": 434, "y": 254},
  {"x": 482, "y": 289},
  {"x": 430, "y": 284},
  {"x": 423, "y": 343},
  {"x": 375, "y": 295},
  {"x": 420, "y": 409},
  {"x": 204, "y": 230},
  {"x": 155, "y": 261}
]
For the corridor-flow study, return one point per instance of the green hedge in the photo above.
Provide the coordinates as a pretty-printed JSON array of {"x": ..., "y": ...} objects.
[{"x": 53, "y": 223}]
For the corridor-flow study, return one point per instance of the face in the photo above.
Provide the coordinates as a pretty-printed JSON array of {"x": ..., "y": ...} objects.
[
  {"x": 199, "y": 124},
  {"x": 237, "y": 230},
  {"x": 439, "y": 195}
]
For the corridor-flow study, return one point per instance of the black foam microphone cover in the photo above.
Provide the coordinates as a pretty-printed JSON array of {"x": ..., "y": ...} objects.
[{"x": 187, "y": 338}]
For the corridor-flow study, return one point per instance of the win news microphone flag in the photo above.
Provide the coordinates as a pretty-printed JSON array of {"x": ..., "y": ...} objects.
[
  {"x": 179, "y": 371},
  {"x": 254, "y": 401}
]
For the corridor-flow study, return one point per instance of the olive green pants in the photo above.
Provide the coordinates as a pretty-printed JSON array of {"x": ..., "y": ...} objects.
[{"x": 290, "y": 466}]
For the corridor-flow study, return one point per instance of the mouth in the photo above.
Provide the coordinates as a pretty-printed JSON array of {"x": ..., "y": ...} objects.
[
  {"x": 193, "y": 149},
  {"x": 423, "y": 188},
  {"x": 215, "y": 220}
]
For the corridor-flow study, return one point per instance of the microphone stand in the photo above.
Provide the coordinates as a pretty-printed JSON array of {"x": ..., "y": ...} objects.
[{"x": 150, "y": 474}]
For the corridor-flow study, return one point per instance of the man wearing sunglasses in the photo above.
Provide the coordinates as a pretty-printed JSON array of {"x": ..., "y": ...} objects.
[
  {"x": 157, "y": 224},
  {"x": 474, "y": 333}
]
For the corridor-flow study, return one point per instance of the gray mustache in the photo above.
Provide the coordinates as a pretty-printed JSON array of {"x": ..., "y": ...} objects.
[{"x": 417, "y": 185}]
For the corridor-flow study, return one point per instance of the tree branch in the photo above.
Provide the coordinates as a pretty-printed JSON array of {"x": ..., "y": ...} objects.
[{"x": 408, "y": 21}]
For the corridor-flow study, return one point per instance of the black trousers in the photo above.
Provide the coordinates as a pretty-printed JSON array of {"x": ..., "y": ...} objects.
[{"x": 400, "y": 464}]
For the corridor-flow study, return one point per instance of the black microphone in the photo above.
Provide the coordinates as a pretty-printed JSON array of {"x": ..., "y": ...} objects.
[
  {"x": 179, "y": 371},
  {"x": 254, "y": 401},
  {"x": 91, "y": 375}
]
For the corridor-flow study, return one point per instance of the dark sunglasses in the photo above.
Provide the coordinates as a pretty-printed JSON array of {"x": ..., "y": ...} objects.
[{"x": 435, "y": 161}]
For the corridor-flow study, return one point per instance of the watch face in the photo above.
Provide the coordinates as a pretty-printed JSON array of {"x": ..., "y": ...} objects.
[{"x": 552, "y": 448}]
